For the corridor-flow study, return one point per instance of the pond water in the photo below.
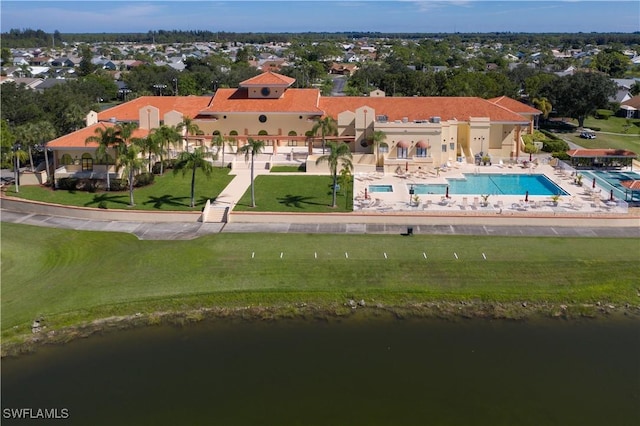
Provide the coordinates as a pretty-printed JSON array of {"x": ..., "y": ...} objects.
[{"x": 374, "y": 372}]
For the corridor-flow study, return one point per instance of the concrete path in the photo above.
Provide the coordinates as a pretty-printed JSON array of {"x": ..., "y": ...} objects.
[
  {"x": 162, "y": 230},
  {"x": 191, "y": 230}
]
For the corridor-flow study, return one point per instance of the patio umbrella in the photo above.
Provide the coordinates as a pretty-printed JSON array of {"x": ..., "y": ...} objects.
[
  {"x": 447, "y": 192},
  {"x": 611, "y": 195},
  {"x": 366, "y": 194},
  {"x": 593, "y": 184},
  {"x": 406, "y": 166},
  {"x": 526, "y": 197}
]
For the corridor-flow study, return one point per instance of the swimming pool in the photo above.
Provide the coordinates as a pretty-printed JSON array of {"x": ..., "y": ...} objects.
[
  {"x": 380, "y": 188},
  {"x": 503, "y": 184},
  {"x": 612, "y": 180}
]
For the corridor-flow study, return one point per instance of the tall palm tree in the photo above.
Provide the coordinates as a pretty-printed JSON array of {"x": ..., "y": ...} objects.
[
  {"x": 327, "y": 127},
  {"x": 252, "y": 148},
  {"x": 28, "y": 137},
  {"x": 190, "y": 127},
  {"x": 131, "y": 161},
  {"x": 339, "y": 155},
  {"x": 377, "y": 138},
  {"x": 106, "y": 138},
  {"x": 191, "y": 161},
  {"x": 220, "y": 142},
  {"x": 47, "y": 132},
  {"x": 165, "y": 137},
  {"x": 148, "y": 146}
]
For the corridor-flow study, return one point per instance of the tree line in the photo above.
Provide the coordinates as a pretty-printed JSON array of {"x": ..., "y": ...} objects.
[{"x": 21, "y": 38}]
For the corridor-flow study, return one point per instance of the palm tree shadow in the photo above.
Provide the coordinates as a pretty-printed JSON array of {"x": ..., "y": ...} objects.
[
  {"x": 108, "y": 198},
  {"x": 170, "y": 200},
  {"x": 297, "y": 201}
]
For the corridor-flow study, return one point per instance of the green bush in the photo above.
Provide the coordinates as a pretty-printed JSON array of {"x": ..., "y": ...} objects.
[
  {"x": 561, "y": 155},
  {"x": 555, "y": 146},
  {"x": 603, "y": 114},
  {"x": 68, "y": 184},
  {"x": 167, "y": 164},
  {"x": 143, "y": 179},
  {"x": 119, "y": 185}
]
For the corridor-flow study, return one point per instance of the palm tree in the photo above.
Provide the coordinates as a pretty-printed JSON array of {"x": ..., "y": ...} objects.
[
  {"x": 191, "y": 128},
  {"x": 193, "y": 160},
  {"x": 165, "y": 136},
  {"x": 252, "y": 148},
  {"x": 131, "y": 161},
  {"x": 339, "y": 154},
  {"x": 220, "y": 142},
  {"x": 27, "y": 135},
  {"x": 543, "y": 105},
  {"x": 327, "y": 126},
  {"x": 377, "y": 138},
  {"x": 105, "y": 137},
  {"x": 47, "y": 132},
  {"x": 148, "y": 146}
]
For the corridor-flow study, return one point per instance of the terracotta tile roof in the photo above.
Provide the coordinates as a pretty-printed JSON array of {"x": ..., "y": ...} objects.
[
  {"x": 592, "y": 153},
  {"x": 304, "y": 101},
  {"x": 77, "y": 139},
  {"x": 129, "y": 111},
  {"x": 422, "y": 108},
  {"x": 268, "y": 79},
  {"x": 633, "y": 185},
  {"x": 515, "y": 106}
]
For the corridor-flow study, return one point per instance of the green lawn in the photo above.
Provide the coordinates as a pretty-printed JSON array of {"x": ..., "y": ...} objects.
[
  {"x": 297, "y": 193},
  {"x": 72, "y": 276},
  {"x": 168, "y": 192},
  {"x": 629, "y": 140}
]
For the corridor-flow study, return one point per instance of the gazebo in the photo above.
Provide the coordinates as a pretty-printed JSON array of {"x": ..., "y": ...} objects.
[
  {"x": 601, "y": 158},
  {"x": 631, "y": 187}
]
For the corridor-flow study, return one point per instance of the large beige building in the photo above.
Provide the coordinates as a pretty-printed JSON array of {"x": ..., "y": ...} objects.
[{"x": 423, "y": 132}]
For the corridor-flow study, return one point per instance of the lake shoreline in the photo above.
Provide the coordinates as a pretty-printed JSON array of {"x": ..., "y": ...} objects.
[{"x": 350, "y": 310}]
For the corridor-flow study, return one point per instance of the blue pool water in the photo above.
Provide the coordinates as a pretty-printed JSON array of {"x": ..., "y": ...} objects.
[
  {"x": 611, "y": 180},
  {"x": 507, "y": 184},
  {"x": 380, "y": 188}
]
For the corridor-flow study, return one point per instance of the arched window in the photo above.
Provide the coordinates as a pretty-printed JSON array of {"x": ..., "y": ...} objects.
[
  {"x": 263, "y": 133},
  {"x": 233, "y": 133},
  {"x": 66, "y": 160},
  {"x": 87, "y": 162},
  {"x": 292, "y": 142},
  {"x": 216, "y": 132}
]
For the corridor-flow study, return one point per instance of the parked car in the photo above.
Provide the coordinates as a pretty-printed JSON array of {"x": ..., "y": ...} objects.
[{"x": 588, "y": 134}]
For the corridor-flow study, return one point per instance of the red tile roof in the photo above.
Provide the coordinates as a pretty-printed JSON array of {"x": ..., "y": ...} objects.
[
  {"x": 189, "y": 106},
  {"x": 633, "y": 185},
  {"x": 303, "y": 101},
  {"x": 592, "y": 153},
  {"x": 515, "y": 106},
  {"x": 268, "y": 79},
  {"x": 422, "y": 108},
  {"x": 77, "y": 139}
]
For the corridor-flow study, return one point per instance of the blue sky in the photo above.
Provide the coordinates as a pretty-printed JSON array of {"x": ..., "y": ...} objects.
[{"x": 567, "y": 16}]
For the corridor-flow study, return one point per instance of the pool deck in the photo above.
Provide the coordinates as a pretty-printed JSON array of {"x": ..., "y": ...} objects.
[{"x": 581, "y": 199}]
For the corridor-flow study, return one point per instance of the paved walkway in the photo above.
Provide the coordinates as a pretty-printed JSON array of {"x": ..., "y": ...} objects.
[{"x": 442, "y": 224}]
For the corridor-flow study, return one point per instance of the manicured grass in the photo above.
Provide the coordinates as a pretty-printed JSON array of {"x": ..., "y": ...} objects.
[
  {"x": 629, "y": 141},
  {"x": 168, "y": 192},
  {"x": 72, "y": 276},
  {"x": 309, "y": 194}
]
